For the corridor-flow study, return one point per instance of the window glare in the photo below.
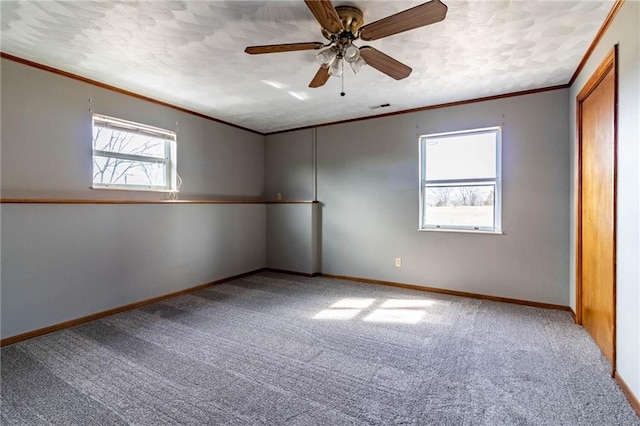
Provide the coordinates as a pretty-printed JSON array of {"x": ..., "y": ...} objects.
[{"x": 461, "y": 157}]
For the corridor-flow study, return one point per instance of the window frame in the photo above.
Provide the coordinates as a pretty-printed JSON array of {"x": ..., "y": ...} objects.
[
  {"x": 496, "y": 182},
  {"x": 168, "y": 160}
]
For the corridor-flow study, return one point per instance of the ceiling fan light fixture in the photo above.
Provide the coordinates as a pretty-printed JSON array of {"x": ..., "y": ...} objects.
[
  {"x": 335, "y": 69},
  {"x": 351, "y": 53},
  {"x": 358, "y": 64},
  {"x": 326, "y": 56}
]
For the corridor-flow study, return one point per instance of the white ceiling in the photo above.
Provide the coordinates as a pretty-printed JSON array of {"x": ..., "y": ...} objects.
[{"x": 190, "y": 53}]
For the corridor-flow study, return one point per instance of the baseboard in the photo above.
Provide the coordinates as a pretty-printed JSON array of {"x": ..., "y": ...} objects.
[
  {"x": 301, "y": 274},
  {"x": 108, "y": 312},
  {"x": 633, "y": 399},
  {"x": 453, "y": 292}
]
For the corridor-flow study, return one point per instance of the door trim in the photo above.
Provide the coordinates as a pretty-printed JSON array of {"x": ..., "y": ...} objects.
[{"x": 609, "y": 63}]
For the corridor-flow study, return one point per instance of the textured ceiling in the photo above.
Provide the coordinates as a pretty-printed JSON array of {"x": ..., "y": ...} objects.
[{"x": 190, "y": 53}]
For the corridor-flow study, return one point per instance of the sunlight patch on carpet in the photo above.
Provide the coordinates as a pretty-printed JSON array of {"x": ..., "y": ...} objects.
[
  {"x": 398, "y": 316},
  {"x": 397, "y": 311}
]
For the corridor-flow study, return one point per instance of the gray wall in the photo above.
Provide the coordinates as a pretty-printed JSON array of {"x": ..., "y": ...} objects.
[
  {"x": 61, "y": 262},
  {"x": 367, "y": 177},
  {"x": 624, "y": 32},
  {"x": 292, "y": 243},
  {"x": 292, "y": 229},
  {"x": 289, "y": 160}
]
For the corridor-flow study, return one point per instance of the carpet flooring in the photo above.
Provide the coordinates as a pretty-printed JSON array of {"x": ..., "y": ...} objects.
[{"x": 274, "y": 349}]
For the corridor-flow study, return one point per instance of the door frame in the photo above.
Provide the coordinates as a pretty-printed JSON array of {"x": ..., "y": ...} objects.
[{"x": 609, "y": 63}]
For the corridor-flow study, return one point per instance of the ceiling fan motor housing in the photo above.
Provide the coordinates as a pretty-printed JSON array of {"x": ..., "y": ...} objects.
[{"x": 352, "y": 19}]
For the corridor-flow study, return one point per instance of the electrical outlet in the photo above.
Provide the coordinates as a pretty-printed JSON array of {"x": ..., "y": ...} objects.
[
  {"x": 398, "y": 262},
  {"x": 278, "y": 196}
]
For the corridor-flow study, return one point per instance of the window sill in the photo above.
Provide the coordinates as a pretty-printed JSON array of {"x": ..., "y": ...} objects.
[
  {"x": 136, "y": 188},
  {"x": 461, "y": 231}
]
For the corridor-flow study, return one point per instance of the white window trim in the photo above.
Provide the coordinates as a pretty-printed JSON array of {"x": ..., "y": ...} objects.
[
  {"x": 132, "y": 127},
  {"x": 497, "y": 181}
]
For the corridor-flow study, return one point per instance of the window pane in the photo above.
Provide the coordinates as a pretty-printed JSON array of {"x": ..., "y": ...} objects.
[
  {"x": 116, "y": 171},
  {"x": 462, "y": 156},
  {"x": 115, "y": 140},
  {"x": 452, "y": 206}
]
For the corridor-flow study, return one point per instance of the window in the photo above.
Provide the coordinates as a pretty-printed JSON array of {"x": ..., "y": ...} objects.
[
  {"x": 460, "y": 183},
  {"x": 129, "y": 155}
]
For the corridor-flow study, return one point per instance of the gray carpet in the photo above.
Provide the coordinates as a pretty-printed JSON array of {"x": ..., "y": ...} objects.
[{"x": 273, "y": 349}]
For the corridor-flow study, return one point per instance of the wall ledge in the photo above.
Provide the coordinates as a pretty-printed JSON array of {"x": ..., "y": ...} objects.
[{"x": 105, "y": 201}]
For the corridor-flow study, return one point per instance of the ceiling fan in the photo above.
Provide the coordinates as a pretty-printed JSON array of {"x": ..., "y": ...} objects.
[{"x": 342, "y": 25}]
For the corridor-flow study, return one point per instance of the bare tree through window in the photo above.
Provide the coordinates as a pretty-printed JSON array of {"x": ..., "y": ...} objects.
[
  {"x": 129, "y": 157},
  {"x": 440, "y": 196},
  {"x": 468, "y": 196}
]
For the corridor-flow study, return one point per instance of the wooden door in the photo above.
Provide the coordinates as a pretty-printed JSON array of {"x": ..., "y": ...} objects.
[{"x": 597, "y": 207}]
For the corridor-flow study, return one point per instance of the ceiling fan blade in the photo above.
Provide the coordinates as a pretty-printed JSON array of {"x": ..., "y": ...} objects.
[
  {"x": 320, "y": 78},
  {"x": 416, "y": 17},
  {"x": 385, "y": 64},
  {"x": 275, "y": 48},
  {"x": 326, "y": 15}
]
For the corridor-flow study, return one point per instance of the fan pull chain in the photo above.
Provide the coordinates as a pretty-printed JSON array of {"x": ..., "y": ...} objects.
[{"x": 342, "y": 93}]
